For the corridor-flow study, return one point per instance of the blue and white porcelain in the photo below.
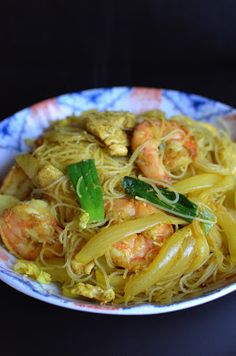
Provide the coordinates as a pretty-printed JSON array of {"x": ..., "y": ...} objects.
[{"x": 30, "y": 122}]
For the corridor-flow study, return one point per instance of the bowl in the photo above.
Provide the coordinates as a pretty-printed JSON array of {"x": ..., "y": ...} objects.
[{"x": 30, "y": 123}]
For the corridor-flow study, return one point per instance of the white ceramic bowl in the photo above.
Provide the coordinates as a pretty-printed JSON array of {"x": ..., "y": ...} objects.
[{"x": 30, "y": 122}]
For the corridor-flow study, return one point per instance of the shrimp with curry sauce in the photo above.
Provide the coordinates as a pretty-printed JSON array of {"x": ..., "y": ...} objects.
[
  {"x": 167, "y": 150},
  {"x": 138, "y": 250},
  {"x": 29, "y": 226}
]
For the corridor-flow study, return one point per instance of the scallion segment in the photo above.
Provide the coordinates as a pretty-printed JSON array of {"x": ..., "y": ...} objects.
[
  {"x": 88, "y": 189},
  {"x": 183, "y": 207}
]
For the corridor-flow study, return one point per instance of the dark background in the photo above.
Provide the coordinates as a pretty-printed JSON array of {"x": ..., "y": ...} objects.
[{"x": 52, "y": 47}]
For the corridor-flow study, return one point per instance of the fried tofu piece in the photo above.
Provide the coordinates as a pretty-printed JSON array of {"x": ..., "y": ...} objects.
[{"x": 110, "y": 128}]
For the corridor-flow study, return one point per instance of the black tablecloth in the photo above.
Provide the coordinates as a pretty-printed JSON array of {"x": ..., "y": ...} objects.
[
  {"x": 53, "y": 47},
  {"x": 30, "y": 327}
]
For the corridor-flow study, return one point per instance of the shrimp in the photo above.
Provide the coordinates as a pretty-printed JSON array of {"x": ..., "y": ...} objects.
[
  {"x": 138, "y": 250},
  {"x": 167, "y": 146},
  {"x": 28, "y": 227}
]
